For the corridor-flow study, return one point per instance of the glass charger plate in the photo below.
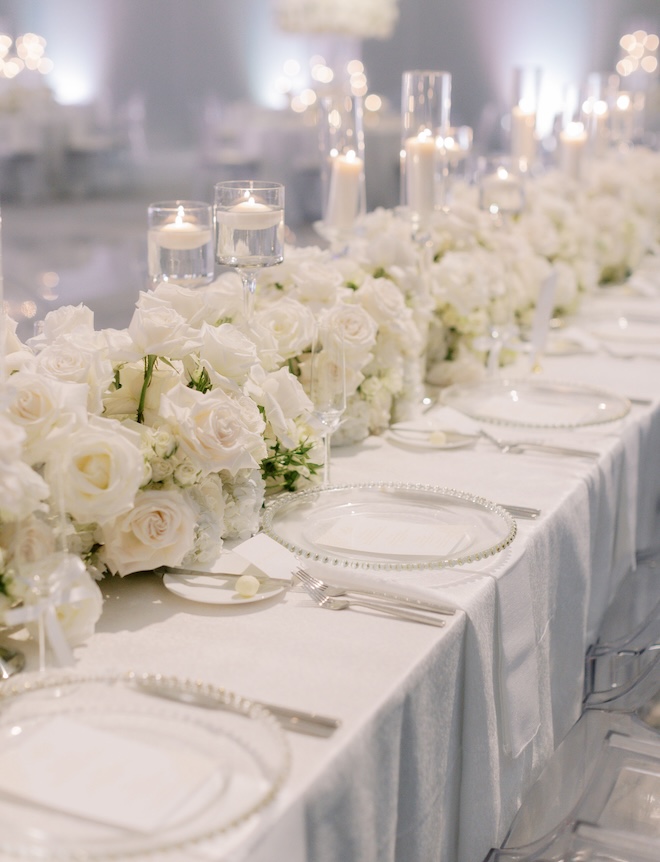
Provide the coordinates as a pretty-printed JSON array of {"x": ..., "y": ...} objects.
[
  {"x": 385, "y": 525},
  {"x": 68, "y": 805},
  {"x": 626, "y": 328},
  {"x": 535, "y": 403}
]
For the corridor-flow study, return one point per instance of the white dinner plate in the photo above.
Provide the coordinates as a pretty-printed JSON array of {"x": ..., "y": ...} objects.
[
  {"x": 427, "y": 435},
  {"x": 217, "y": 589}
]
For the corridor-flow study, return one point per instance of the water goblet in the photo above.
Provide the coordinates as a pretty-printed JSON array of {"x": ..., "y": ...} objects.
[
  {"x": 328, "y": 387},
  {"x": 249, "y": 222}
]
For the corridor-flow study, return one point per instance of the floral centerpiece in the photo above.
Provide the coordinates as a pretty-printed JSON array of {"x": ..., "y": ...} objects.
[
  {"x": 150, "y": 446},
  {"x": 365, "y": 19}
]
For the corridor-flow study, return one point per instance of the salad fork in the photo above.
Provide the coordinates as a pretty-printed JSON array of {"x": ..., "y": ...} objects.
[
  {"x": 338, "y": 604},
  {"x": 379, "y": 595}
]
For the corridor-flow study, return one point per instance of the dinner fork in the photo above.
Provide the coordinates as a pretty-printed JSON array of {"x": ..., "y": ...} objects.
[
  {"x": 379, "y": 595},
  {"x": 338, "y": 604},
  {"x": 520, "y": 446}
]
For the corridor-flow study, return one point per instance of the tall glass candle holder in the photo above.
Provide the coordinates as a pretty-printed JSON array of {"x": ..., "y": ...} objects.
[
  {"x": 342, "y": 166},
  {"x": 524, "y": 109},
  {"x": 595, "y": 110},
  {"x": 454, "y": 151},
  {"x": 425, "y": 115},
  {"x": 180, "y": 243},
  {"x": 572, "y": 134},
  {"x": 249, "y": 219}
]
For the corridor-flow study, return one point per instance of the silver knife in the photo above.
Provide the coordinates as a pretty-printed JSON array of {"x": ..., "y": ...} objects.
[
  {"x": 404, "y": 601},
  {"x": 557, "y": 450},
  {"x": 310, "y": 723}
]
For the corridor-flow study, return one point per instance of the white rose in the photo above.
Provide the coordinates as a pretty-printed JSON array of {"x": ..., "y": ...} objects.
[
  {"x": 80, "y": 601},
  {"x": 28, "y": 540},
  {"x": 47, "y": 410},
  {"x": 64, "y": 321},
  {"x": 118, "y": 346},
  {"x": 208, "y": 501},
  {"x": 356, "y": 327},
  {"x": 123, "y": 402},
  {"x": 161, "y": 331},
  {"x": 158, "y": 531},
  {"x": 21, "y": 491},
  {"x": 243, "y": 500},
  {"x": 213, "y": 303},
  {"x": 78, "y": 618},
  {"x": 77, "y": 360},
  {"x": 291, "y": 323},
  {"x": 228, "y": 351},
  {"x": 99, "y": 471},
  {"x": 13, "y": 437},
  {"x": 283, "y": 399},
  {"x": 216, "y": 431}
]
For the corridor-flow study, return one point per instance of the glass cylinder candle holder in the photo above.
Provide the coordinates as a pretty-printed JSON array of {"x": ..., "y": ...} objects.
[
  {"x": 572, "y": 145},
  {"x": 249, "y": 221},
  {"x": 501, "y": 186},
  {"x": 425, "y": 115},
  {"x": 180, "y": 243},
  {"x": 524, "y": 109},
  {"x": 595, "y": 110},
  {"x": 454, "y": 150},
  {"x": 342, "y": 167}
]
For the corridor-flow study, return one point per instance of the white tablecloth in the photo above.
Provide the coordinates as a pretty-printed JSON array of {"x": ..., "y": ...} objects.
[{"x": 443, "y": 730}]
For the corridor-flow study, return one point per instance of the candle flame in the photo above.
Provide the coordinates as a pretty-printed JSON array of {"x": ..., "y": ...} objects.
[
  {"x": 575, "y": 130},
  {"x": 179, "y": 216}
]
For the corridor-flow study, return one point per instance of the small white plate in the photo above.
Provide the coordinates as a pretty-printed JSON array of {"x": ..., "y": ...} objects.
[
  {"x": 422, "y": 436},
  {"x": 216, "y": 589}
]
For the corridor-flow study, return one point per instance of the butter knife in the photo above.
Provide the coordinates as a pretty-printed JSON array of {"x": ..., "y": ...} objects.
[{"x": 295, "y": 720}]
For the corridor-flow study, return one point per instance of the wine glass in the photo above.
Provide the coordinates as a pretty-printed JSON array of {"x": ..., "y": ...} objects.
[
  {"x": 249, "y": 224},
  {"x": 328, "y": 387}
]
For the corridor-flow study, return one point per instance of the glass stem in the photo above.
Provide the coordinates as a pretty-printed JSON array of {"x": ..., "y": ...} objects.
[
  {"x": 41, "y": 630},
  {"x": 249, "y": 278},
  {"x": 326, "y": 464}
]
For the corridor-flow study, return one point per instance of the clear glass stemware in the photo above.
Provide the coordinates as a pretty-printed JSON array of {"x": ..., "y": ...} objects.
[
  {"x": 328, "y": 387},
  {"x": 249, "y": 222}
]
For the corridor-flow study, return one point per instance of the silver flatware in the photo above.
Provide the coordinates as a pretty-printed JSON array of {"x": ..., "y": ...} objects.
[
  {"x": 380, "y": 595},
  {"x": 11, "y": 662},
  {"x": 525, "y": 512},
  {"x": 517, "y": 447},
  {"x": 295, "y": 720},
  {"x": 338, "y": 604}
]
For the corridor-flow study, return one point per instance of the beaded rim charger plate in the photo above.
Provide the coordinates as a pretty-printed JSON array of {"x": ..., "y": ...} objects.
[
  {"x": 241, "y": 746},
  {"x": 385, "y": 526},
  {"x": 534, "y": 403}
]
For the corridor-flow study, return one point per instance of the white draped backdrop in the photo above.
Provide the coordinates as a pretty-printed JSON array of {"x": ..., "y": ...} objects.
[{"x": 175, "y": 54}]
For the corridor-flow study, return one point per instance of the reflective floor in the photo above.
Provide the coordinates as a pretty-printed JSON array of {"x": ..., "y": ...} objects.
[{"x": 89, "y": 250}]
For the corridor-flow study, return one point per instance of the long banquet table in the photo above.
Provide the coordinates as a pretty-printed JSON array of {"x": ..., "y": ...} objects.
[{"x": 443, "y": 729}]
